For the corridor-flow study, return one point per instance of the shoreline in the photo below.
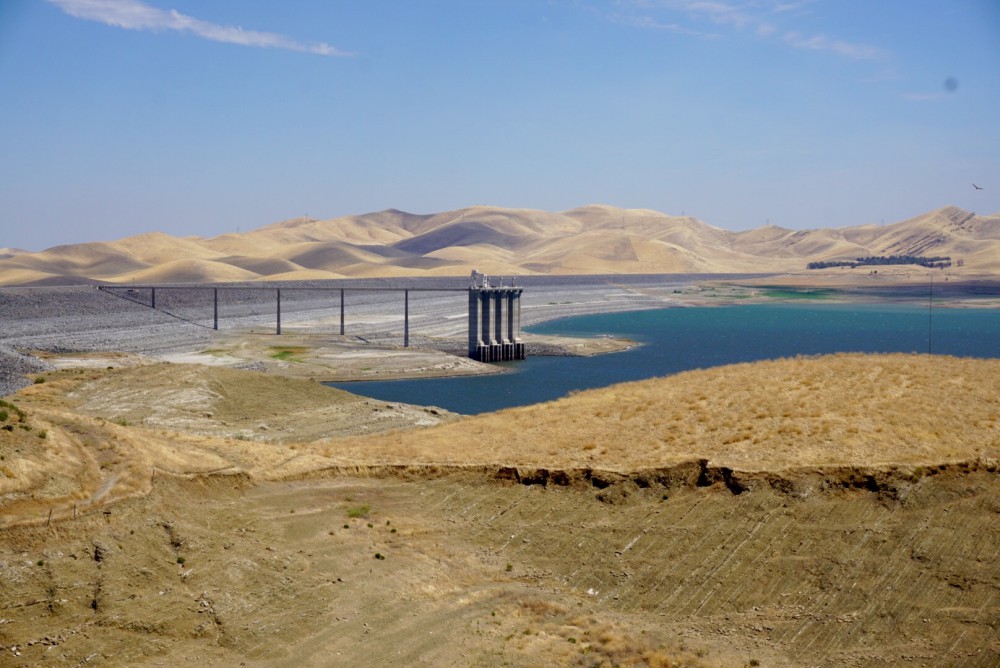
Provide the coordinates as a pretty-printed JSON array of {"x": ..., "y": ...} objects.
[{"x": 53, "y": 328}]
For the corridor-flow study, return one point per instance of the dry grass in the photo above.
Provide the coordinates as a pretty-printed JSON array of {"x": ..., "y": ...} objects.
[
  {"x": 847, "y": 409},
  {"x": 540, "y": 632},
  {"x": 507, "y": 574},
  {"x": 589, "y": 240},
  {"x": 108, "y": 434},
  {"x": 99, "y": 436}
]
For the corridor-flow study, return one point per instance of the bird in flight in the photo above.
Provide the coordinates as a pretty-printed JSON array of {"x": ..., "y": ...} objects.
[{"x": 977, "y": 187}]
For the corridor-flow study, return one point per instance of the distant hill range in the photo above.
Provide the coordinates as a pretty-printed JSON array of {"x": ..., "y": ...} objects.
[{"x": 590, "y": 240}]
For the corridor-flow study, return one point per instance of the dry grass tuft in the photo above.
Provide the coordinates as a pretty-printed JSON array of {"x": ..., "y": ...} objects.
[{"x": 550, "y": 635}]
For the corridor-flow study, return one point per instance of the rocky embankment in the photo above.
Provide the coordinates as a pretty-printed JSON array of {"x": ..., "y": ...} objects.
[
  {"x": 77, "y": 319},
  {"x": 61, "y": 320}
]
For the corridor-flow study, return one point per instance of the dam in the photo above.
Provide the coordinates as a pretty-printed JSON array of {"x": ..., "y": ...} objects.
[{"x": 494, "y": 317}]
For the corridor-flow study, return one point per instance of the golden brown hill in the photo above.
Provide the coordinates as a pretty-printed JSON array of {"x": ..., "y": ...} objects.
[
  {"x": 594, "y": 239},
  {"x": 871, "y": 541},
  {"x": 843, "y": 410}
]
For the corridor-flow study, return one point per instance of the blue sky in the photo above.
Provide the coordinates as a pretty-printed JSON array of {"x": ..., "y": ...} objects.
[{"x": 119, "y": 117}]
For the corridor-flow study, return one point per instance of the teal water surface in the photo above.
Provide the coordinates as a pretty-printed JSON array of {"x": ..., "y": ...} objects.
[{"x": 679, "y": 339}]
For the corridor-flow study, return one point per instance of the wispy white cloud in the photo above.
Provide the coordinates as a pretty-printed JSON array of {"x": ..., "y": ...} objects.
[
  {"x": 764, "y": 17},
  {"x": 719, "y": 12},
  {"x": 136, "y": 15},
  {"x": 856, "y": 51},
  {"x": 647, "y": 22}
]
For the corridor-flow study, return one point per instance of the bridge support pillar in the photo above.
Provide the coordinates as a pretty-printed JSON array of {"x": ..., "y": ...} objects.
[{"x": 278, "y": 328}]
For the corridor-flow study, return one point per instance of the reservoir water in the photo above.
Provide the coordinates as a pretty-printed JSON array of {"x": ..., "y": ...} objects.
[{"x": 679, "y": 339}]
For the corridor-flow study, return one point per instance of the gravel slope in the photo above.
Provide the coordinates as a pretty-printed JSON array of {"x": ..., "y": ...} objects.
[{"x": 84, "y": 319}]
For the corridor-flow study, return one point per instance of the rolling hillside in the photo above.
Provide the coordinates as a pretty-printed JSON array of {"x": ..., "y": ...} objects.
[
  {"x": 594, "y": 239},
  {"x": 836, "y": 511}
]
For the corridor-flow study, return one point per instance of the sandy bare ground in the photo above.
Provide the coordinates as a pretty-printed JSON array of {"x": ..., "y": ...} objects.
[{"x": 455, "y": 570}]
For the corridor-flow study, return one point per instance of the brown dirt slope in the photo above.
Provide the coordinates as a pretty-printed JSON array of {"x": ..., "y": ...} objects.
[
  {"x": 86, "y": 438},
  {"x": 834, "y": 411},
  {"x": 836, "y": 511},
  {"x": 594, "y": 239}
]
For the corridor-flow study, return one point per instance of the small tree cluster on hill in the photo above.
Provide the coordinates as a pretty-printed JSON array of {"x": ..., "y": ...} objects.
[{"x": 936, "y": 262}]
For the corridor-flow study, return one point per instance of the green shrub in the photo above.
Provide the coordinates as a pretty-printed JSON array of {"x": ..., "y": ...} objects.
[
  {"x": 358, "y": 511},
  {"x": 21, "y": 415}
]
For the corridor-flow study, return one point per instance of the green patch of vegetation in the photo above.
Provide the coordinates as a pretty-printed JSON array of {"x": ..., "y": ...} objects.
[
  {"x": 804, "y": 293},
  {"x": 6, "y": 408},
  {"x": 358, "y": 512},
  {"x": 936, "y": 262},
  {"x": 288, "y": 353},
  {"x": 39, "y": 380}
]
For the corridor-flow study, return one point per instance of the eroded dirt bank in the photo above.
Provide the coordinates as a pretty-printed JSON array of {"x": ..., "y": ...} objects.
[{"x": 457, "y": 568}]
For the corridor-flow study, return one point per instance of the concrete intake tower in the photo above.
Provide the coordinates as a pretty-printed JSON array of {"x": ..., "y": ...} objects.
[{"x": 494, "y": 320}]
